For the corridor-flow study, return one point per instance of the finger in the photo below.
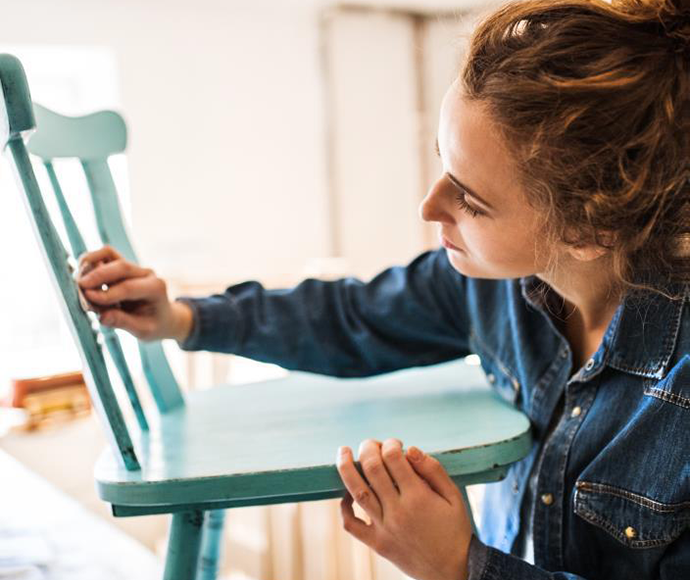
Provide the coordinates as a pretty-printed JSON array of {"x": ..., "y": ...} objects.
[
  {"x": 356, "y": 486},
  {"x": 111, "y": 272},
  {"x": 398, "y": 466},
  {"x": 353, "y": 525},
  {"x": 145, "y": 288},
  {"x": 431, "y": 470},
  {"x": 105, "y": 254},
  {"x": 376, "y": 473},
  {"x": 116, "y": 318}
]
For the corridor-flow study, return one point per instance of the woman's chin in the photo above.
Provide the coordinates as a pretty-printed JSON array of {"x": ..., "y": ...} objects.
[
  {"x": 462, "y": 262},
  {"x": 459, "y": 261}
]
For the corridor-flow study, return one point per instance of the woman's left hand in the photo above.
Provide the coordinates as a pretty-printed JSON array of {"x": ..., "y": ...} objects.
[{"x": 419, "y": 520}]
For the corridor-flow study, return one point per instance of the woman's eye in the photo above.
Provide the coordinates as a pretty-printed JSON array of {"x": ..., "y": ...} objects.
[{"x": 463, "y": 205}]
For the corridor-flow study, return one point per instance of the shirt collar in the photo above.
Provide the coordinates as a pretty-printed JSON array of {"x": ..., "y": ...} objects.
[
  {"x": 643, "y": 332},
  {"x": 646, "y": 330}
]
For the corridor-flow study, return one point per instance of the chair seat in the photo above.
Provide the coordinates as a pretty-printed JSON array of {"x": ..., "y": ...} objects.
[{"x": 276, "y": 441}]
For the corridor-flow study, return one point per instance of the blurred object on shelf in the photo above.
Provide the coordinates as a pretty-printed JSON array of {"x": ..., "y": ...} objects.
[{"x": 49, "y": 399}]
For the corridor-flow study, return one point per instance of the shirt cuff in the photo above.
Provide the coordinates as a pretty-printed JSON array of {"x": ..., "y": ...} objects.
[
  {"x": 485, "y": 563},
  {"x": 215, "y": 326},
  {"x": 477, "y": 558}
]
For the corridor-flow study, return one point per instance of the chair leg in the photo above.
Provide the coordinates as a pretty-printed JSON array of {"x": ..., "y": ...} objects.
[
  {"x": 184, "y": 542},
  {"x": 211, "y": 545}
]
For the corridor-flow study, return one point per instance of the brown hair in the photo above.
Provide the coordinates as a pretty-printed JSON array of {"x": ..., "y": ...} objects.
[{"x": 593, "y": 100}]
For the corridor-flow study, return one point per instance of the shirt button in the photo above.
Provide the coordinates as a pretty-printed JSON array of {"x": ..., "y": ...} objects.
[
  {"x": 546, "y": 498},
  {"x": 516, "y": 489},
  {"x": 630, "y": 532},
  {"x": 576, "y": 412},
  {"x": 589, "y": 365},
  {"x": 516, "y": 385},
  {"x": 564, "y": 353},
  {"x": 491, "y": 377}
]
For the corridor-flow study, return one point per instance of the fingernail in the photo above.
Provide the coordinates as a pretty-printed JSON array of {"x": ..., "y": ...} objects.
[
  {"x": 342, "y": 452},
  {"x": 415, "y": 454}
]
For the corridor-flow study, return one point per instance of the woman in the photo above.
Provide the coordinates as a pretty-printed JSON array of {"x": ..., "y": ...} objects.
[{"x": 564, "y": 215}]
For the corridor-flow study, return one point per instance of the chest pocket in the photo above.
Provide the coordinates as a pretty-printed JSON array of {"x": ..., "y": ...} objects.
[
  {"x": 634, "y": 520},
  {"x": 502, "y": 379}
]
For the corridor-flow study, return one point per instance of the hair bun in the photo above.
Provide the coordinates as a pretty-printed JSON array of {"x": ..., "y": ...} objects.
[
  {"x": 670, "y": 18},
  {"x": 674, "y": 16}
]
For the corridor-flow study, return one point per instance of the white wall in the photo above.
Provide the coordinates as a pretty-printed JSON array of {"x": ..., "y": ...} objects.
[
  {"x": 387, "y": 74},
  {"x": 375, "y": 129},
  {"x": 224, "y": 109},
  {"x": 227, "y": 156}
]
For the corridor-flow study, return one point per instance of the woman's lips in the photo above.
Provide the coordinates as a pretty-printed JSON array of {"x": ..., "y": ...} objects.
[{"x": 446, "y": 244}]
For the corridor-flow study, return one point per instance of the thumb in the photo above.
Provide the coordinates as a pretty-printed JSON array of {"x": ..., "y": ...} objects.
[
  {"x": 431, "y": 470},
  {"x": 118, "y": 318}
]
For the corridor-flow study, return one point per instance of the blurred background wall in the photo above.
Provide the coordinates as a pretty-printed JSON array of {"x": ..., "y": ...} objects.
[{"x": 268, "y": 139}]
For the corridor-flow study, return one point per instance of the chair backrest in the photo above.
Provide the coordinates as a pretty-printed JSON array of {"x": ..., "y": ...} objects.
[{"x": 91, "y": 139}]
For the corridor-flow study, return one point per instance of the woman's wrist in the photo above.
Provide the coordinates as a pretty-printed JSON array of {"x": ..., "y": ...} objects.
[{"x": 183, "y": 321}]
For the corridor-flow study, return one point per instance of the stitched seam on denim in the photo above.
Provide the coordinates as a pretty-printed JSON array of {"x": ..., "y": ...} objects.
[
  {"x": 668, "y": 397},
  {"x": 493, "y": 356},
  {"x": 645, "y": 371},
  {"x": 657, "y": 506},
  {"x": 607, "y": 526}
]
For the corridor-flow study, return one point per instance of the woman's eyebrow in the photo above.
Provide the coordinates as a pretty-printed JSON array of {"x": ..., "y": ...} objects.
[{"x": 461, "y": 185}]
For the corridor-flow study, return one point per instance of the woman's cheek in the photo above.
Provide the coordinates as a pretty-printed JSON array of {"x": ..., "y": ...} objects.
[
  {"x": 481, "y": 245},
  {"x": 497, "y": 253}
]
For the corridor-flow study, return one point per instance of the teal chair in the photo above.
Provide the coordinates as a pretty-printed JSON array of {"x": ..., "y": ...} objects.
[{"x": 199, "y": 453}]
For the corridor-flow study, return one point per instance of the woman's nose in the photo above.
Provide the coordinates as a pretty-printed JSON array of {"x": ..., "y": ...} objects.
[{"x": 434, "y": 206}]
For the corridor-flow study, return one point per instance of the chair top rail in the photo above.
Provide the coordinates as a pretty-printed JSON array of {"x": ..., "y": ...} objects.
[{"x": 95, "y": 136}]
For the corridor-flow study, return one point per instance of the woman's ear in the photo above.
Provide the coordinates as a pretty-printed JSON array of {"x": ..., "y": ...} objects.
[{"x": 586, "y": 253}]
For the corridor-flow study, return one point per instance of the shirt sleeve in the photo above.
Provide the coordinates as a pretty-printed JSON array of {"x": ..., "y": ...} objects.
[
  {"x": 406, "y": 316},
  {"x": 486, "y": 563}
]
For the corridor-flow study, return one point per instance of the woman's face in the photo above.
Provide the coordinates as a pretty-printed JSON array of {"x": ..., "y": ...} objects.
[{"x": 485, "y": 223}]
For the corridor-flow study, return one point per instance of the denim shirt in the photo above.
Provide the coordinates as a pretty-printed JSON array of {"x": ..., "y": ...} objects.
[{"x": 610, "y": 466}]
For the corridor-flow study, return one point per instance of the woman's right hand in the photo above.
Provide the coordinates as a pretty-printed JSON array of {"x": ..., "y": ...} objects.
[{"x": 130, "y": 297}]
